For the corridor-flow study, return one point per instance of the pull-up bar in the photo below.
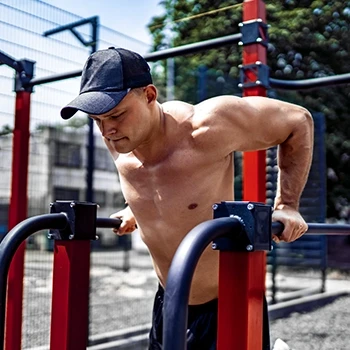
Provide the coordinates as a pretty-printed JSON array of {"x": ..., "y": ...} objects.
[
  {"x": 304, "y": 84},
  {"x": 155, "y": 56},
  {"x": 314, "y": 83}
]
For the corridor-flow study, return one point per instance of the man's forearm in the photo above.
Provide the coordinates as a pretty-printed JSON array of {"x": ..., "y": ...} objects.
[{"x": 294, "y": 161}]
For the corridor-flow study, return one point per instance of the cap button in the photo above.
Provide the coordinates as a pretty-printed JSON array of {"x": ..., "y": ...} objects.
[{"x": 111, "y": 47}]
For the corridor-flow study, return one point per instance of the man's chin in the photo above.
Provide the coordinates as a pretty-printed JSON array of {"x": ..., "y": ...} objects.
[
  {"x": 123, "y": 151},
  {"x": 121, "y": 148}
]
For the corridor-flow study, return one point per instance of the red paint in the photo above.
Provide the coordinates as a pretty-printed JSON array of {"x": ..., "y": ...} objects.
[
  {"x": 241, "y": 278},
  {"x": 18, "y": 213},
  {"x": 70, "y": 295},
  {"x": 242, "y": 275}
]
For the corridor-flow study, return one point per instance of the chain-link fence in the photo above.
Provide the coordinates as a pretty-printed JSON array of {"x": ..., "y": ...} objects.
[{"x": 58, "y": 168}]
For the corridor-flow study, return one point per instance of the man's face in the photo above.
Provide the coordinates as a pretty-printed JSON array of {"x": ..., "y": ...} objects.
[{"x": 125, "y": 127}]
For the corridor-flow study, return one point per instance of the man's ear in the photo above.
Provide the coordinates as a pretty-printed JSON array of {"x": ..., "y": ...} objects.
[{"x": 151, "y": 93}]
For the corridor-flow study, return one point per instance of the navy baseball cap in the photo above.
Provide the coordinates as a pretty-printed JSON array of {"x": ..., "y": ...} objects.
[{"x": 108, "y": 75}]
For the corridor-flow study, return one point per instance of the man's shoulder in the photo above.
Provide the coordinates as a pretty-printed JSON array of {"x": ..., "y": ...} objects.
[
  {"x": 205, "y": 112},
  {"x": 179, "y": 110},
  {"x": 176, "y": 105},
  {"x": 217, "y": 101},
  {"x": 210, "y": 103},
  {"x": 220, "y": 106}
]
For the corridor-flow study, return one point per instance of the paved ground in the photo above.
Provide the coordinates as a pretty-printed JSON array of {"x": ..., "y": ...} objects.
[
  {"x": 324, "y": 328},
  {"x": 123, "y": 299}
]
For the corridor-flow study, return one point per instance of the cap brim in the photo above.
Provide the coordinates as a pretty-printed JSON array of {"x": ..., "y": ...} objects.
[{"x": 93, "y": 102}]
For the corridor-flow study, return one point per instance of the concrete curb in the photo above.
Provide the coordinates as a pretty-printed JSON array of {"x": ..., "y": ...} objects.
[
  {"x": 132, "y": 343},
  {"x": 119, "y": 335},
  {"x": 305, "y": 304}
]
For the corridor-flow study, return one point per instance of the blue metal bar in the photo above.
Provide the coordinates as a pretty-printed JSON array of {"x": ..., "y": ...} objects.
[
  {"x": 10, "y": 61},
  {"x": 193, "y": 47},
  {"x": 8, "y": 248},
  {"x": 108, "y": 222},
  {"x": 318, "y": 229},
  {"x": 155, "y": 56},
  {"x": 71, "y": 26},
  {"x": 180, "y": 276},
  {"x": 306, "y": 84},
  {"x": 54, "y": 77}
]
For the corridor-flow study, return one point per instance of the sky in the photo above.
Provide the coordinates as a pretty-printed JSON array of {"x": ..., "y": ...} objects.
[{"x": 129, "y": 17}]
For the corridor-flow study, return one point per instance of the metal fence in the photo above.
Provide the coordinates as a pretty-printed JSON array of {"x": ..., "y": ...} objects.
[
  {"x": 118, "y": 299},
  {"x": 57, "y": 167}
]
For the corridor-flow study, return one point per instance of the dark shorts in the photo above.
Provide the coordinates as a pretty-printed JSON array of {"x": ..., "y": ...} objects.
[{"x": 201, "y": 325}]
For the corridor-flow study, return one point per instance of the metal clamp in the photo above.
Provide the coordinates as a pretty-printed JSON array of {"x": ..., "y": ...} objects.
[
  {"x": 256, "y": 74},
  {"x": 254, "y": 32},
  {"x": 256, "y": 232},
  {"x": 81, "y": 220}
]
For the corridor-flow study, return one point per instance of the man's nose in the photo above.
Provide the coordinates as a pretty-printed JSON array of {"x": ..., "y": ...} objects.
[{"x": 107, "y": 129}]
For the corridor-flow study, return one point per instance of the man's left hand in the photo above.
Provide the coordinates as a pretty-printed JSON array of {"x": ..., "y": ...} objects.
[{"x": 294, "y": 224}]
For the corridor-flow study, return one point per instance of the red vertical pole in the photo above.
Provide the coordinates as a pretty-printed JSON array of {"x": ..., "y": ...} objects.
[
  {"x": 17, "y": 213},
  {"x": 242, "y": 275},
  {"x": 70, "y": 295}
]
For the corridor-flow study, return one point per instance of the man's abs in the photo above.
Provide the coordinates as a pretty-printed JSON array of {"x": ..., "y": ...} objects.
[{"x": 205, "y": 280}]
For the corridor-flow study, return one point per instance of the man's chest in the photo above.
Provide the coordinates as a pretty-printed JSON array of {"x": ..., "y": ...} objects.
[{"x": 179, "y": 184}]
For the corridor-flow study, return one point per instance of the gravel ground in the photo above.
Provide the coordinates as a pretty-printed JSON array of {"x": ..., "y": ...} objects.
[
  {"x": 123, "y": 299},
  {"x": 118, "y": 299},
  {"x": 326, "y": 328}
]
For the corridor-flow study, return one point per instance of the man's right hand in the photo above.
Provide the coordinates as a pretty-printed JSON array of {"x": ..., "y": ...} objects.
[{"x": 128, "y": 224}]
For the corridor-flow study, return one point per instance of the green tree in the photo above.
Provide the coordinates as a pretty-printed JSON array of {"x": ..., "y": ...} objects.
[
  {"x": 185, "y": 23},
  {"x": 308, "y": 39}
]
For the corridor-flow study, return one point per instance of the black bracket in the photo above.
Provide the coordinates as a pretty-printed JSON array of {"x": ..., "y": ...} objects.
[
  {"x": 256, "y": 74},
  {"x": 256, "y": 223},
  {"x": 81, "y": 220},
  {"x": 24, "y": 71},
  {"x": 94, "y": 21},
  {"x": 24, "y": 76},
  {"x": 254, "y": 32}
]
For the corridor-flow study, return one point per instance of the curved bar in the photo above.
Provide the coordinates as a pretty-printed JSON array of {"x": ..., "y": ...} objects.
[
  {"x": 184, "y": 263},
  {"x": 9, "y": 245},
  {"x": 313, "y": 83},
  {"x": 108, "y": 222},
  {"x": 180, "y": 276},
  {"x": 318, "y": 229}
]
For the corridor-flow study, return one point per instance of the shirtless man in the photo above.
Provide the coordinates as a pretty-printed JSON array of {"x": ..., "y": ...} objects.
[{"x": 175, "y": 160}]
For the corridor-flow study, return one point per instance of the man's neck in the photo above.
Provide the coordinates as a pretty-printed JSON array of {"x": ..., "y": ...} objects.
[{"x": 155, "y": 148}]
